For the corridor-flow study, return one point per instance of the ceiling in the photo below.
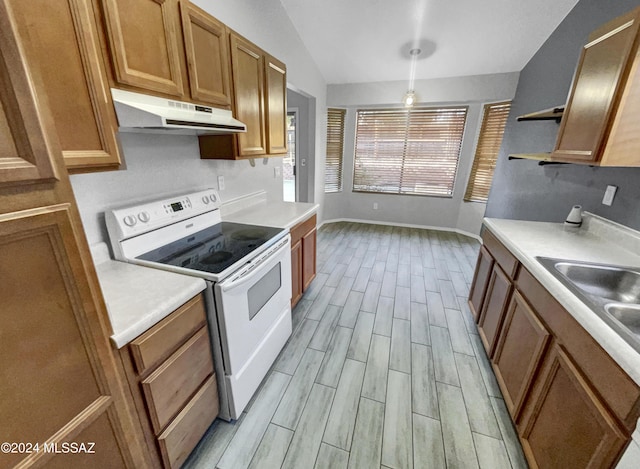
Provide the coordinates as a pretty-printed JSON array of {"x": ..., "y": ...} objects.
[{"x": 355, "y": 41}]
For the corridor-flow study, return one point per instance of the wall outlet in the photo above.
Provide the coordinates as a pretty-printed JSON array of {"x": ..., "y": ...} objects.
[
  {"x": 609, "y": 194},
  {"x": 220, "y": 183},
  {"x": 375, "y": 205},
  {"x": 276, "y": 172}
]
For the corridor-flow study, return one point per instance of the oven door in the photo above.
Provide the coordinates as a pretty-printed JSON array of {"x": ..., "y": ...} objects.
[{"x": 254, "y": 316}]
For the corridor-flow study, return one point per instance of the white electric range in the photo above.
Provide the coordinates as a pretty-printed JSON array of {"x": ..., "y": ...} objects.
[{"x": 248, "y": 273}]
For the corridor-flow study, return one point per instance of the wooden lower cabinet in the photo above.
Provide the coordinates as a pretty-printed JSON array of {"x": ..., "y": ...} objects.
[
  {"x": 565, "y": 423},
  {"x": 308, "y": 258},
  {"x": 303, "y": 257},
  {"x": 480, "y": 281},
  {"x": 171, "y": 376},
  {"x": 296, "y": 272},
  {"x": 519, "y": 351},
  {"x": 572, "y": 405},
  {"x": 494, "y": 308}
]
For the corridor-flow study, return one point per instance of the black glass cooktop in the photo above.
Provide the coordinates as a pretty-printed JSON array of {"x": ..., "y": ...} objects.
[{"x": 213, "y": 249}]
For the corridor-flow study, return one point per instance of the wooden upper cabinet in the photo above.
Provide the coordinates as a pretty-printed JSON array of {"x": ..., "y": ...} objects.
[
  {"x": 247, "y": 61},
  {"x": 600, "y": 122},
  {"x": 26, "y": 154},
  {"x": 207, "y": 49},
  {"x": 61, "y": 39},
  {"x": 276, "y": 106},
  {"x": 144, "y": 44},
  {"x": 259, "y": 101},
  {"x": 565, "y": 423}
]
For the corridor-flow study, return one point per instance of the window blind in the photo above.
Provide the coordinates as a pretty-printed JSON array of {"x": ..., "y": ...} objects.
[
  {"x": 487, "y": 150},
  {"x": 413, "y": 151},
  {"x": 335, "y": 146}
]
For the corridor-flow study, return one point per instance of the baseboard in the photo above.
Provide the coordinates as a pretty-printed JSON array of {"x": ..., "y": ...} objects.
[{"x": 404, "y": 225}]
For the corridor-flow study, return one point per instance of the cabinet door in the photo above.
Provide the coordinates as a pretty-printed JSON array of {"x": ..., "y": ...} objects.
[
  {"x": 61, "y": 39},
  {"x": 296, "y": 272},
  {"x": 519, "y": 352},
  {"x": 247, "y": 62},
  {"x": 480, "y": 281},
  {"x": 598, "y": 80},
  {"x": 494, "y": 308},
  {"x": 308, "y": 258},
  {"x": 206, "y": 44},
  {"x": 144, "y": 45},
  {"x": 25, "y": 152},
  {"x": 276, "y": 106},
  {"x": 566, "y": 424},
  {"x": 59, "y": 379}
]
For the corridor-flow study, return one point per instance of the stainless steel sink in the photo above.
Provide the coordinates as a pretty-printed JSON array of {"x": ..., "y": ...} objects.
[
  {"x": 628, "y": 315},
  {"x": 618, "y": 284},
  {"x": 612, "y": 292}
]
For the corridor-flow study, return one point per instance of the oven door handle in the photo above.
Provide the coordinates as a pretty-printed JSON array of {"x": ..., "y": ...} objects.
[{"x": 243, "y": 280}]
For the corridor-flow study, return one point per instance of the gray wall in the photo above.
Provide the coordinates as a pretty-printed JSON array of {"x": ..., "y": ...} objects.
[
  {"x": 304, "y": 146},
  {"x": 440, "y": 212},
  {"x": 522, "y": 189}
]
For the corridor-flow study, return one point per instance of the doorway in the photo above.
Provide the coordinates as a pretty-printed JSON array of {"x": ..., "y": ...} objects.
[{"x": 289, "y": 180}]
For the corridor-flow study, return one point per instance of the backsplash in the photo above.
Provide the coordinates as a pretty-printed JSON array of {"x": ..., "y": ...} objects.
[
  {"x": 160, "y": 165},
  {"x": 522, "y": 189}
]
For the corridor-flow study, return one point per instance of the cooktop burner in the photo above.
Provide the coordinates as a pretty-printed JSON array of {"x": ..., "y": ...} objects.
[
  {"x": 213, "y": 249},
  {"x": 217, "y": 257},
  {"x": 249, "y": 234}
]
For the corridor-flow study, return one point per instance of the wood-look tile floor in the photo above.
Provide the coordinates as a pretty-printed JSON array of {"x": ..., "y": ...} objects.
[{"x": 384, "y": 367}]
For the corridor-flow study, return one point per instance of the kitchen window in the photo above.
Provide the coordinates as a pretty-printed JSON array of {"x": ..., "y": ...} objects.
[
  {"x": 487, "y": 150},
  {"x": 335, "y": 147},
  {"x": 413, "y": 151}
]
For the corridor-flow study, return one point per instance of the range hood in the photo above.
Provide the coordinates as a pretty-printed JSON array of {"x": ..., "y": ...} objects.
[{"x": 143, "y": 113}]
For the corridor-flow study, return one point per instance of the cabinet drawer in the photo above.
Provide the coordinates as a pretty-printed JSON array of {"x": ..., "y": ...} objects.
[
  {"x": 149, "y": 349},
  {"x": 612, "y": 384},
  {"x": 500, "y": 253},
  {"x": 179, "y": 439},
  {"x": 169, "y": 387},
  {"x": 302, "y": 228}
]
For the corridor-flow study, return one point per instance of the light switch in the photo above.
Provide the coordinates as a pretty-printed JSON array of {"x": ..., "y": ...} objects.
[
  {"x": 609, "y": 194},
  {"x": 276, "y": 172},
  {"x": 220, "y": 183}
]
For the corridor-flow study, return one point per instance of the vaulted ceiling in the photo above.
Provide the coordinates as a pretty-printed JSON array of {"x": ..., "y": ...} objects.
[{"x": 356, "y": 41}]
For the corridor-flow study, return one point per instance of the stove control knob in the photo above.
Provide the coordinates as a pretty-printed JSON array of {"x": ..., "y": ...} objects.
[
  {"x": 144, "y": 217},
  {"x": 213, "y": 198},
  {"x": 130, "y": 220},
  {"x": 205, "y": 199}
]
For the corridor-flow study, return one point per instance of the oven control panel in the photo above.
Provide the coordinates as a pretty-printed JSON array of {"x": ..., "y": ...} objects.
[{"x": 133, "y": 220}]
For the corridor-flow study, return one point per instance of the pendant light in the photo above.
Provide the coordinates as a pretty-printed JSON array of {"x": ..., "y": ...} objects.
[{"x": 410, "y": 98}]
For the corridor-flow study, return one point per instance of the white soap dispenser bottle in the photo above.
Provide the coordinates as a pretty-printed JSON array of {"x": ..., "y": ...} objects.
[{"x": 574, "y": 218}]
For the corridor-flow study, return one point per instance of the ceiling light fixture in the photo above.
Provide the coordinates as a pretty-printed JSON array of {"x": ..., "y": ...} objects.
[{"x": 409, "y": 98}]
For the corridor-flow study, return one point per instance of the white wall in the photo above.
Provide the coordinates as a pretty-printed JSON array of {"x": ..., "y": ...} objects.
[
  {"x": 163, "y": 165},
  {"x": 440, "y": 212}
]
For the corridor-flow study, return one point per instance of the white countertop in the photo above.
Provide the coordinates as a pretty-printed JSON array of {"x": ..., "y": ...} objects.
[
  {"x": 139, "y": 297},
  {"x": 256, "y": 210},
  {"x": 598, "y": 240}
]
